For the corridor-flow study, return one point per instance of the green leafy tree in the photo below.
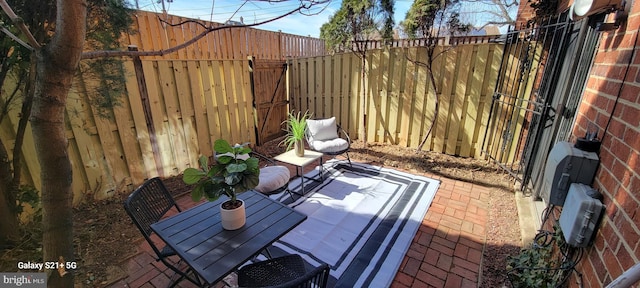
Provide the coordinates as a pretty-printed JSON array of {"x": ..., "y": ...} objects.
[
  {"x": 350, "y": 28},
  {"x": 431, "y": 19}
]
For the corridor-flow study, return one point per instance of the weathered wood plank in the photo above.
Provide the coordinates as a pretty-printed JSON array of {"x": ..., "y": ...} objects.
[
  {"x": 458, "y": 97},
  {"x": 407, "y": 96},
  {"x": 219, "y": 97},
  {"x": 200, "y": 104},
  {"x": 158, "y": 116},
  {"x": 479, "y": 61},
  {"x": 420, "y": 114},
  {"x": 447, "y": 75},
  {"x": 375, "y": 62},
  {"x": 394, "y": 114},
  {"x": 175, "y": 131},
  {"x": 187, "y": 113}
]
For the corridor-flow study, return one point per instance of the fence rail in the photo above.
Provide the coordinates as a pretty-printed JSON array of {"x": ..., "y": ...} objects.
[
  {"x": 400, "y": 99},
  {"x": 420, "y": 42}
]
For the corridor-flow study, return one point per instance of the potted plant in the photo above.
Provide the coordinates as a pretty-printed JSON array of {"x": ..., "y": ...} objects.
[
  {"x": 296, "y": 124},
  {"x": 232, "y": 172}
]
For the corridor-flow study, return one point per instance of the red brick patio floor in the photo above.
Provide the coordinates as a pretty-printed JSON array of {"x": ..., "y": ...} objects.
[{"x": 445, "y": 252}]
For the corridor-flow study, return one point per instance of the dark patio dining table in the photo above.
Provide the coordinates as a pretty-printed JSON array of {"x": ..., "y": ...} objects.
[{"x": 198, "y": 238}]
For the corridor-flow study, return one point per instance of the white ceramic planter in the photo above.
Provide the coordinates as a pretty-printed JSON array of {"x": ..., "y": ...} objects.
[{"x": 233, "y": 219}]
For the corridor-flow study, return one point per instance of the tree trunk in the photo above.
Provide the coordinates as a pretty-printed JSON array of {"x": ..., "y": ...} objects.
[
  {"x": 56, "y": 65},
  {"x": 9, "y": 233}
]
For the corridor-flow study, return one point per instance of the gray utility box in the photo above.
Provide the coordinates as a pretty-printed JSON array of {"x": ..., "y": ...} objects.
[
  {"x": 565, "y": 165},
  {"x": 580, "y": 215}
]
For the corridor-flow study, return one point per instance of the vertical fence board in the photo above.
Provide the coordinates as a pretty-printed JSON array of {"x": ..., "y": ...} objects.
[
  {"x": 419, "y": 101},
  {"x": 157, "y": 105},
  {"x": 219, "y": 99},
  {"x": 355, "y": 95},
  {"x": 394, "y": 113},
  {"x": 209, "y": 98},
  {"x": 407, "y": 97},
  {"x": 240, "y": 103},
  {"x": 374, "y": 95},
  {"x": 244, "y": 93},
  {"x": 447, "y": 75},
  {"x": 384, "y": 76},
  {"x": 126, "y": 131},
  {"x": 187, "y": 113},
  {"x": 175, "y": 132},
  {"x": 341, "y": 76},
  {"x": 478, "y": 61},
  {"x": 459, "y": 94},
  {"x": 79, "y": 120},
  {"x": 197, "y": 84},
  {"x": 141, "y": 132},
  {"x": 231, "y": 103},
  {"x": 326, "y": 105},
  {"x": 304, "y": 85},
  {"x": 310, "y": 93},
  {"x": 317, "y": 86}
]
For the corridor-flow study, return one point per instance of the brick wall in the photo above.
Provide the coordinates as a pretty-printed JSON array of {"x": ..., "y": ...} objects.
[
  {"x": 611, "y": 102},
  {"x": 525, "y": 13}
]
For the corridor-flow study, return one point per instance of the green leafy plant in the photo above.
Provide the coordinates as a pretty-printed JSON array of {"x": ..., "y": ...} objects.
[
  {"x": 296, "y": 124},
  {"x": 531, "y": 268},
  {"x": 537, "y": 265},
  {"x": 233, "y": 172}
]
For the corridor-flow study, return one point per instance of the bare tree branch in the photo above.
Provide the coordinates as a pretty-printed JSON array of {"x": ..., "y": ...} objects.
[
  {"x": 16, "y": 38},
  {"x": 20, "y": 24}
]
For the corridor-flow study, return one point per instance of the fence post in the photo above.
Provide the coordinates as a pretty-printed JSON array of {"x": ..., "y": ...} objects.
[{"x": 144, "y": 98}]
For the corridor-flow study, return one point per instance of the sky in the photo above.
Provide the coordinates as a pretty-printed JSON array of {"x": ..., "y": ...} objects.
[{"x": 257, "y": 11}]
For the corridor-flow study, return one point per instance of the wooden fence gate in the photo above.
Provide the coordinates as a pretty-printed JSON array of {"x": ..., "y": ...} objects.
[{"x": 268, "y": 82}]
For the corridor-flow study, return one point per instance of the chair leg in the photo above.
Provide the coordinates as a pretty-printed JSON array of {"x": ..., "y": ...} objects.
[
  {"x": 290, "y": 193},
  {"x": 348, "y": 159},
  {"x": 183, "y": 275}
]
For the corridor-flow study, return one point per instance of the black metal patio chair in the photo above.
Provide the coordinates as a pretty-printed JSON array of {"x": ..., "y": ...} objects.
[
  {"x": 285, "y": 271},
  {"x": 147, "y": 205}
]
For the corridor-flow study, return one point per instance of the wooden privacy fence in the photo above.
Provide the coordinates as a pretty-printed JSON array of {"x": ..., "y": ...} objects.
[
  {"x": 236, "y": 43},
  {"x": 163, "y": 123},
  {"x": 400, "y": 99}
]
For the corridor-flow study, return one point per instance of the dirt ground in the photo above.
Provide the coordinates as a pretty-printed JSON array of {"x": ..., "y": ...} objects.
[{"x": 105, "y": 238}]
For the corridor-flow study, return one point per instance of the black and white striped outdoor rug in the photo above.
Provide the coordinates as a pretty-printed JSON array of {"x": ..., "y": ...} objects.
[{"x": 361, "y": 221}]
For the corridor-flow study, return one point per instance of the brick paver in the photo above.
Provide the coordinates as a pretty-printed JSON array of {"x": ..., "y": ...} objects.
[{"x": 446, "y": 251}]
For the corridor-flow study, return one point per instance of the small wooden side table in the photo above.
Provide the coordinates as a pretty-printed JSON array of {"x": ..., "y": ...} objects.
[{"x": 290, "y": 157}]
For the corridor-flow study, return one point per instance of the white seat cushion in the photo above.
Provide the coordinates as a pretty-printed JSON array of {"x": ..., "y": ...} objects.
[
  {"x": 272, "y": 178},
  {"x": 324, "y": 129},
  {"x": 329, "y": 146}
]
